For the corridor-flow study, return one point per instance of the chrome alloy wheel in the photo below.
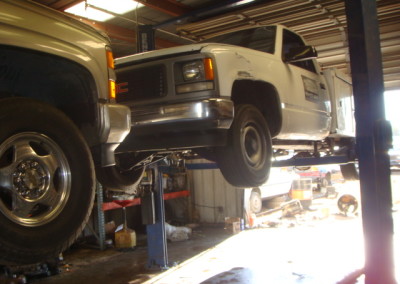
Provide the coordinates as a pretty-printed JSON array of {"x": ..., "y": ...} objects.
[{"x": 35, "y": 179}]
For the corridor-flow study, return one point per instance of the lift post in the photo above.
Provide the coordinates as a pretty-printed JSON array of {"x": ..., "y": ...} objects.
[
  {"x": 156, "y": 235},
  {"x": 373, "y": 140}
]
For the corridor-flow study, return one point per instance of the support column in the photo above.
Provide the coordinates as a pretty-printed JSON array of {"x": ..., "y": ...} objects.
[
  {"x": 373, "y": 140},
  {"x": 146, "y": 38},
  {"x": 156, "y": 235}
]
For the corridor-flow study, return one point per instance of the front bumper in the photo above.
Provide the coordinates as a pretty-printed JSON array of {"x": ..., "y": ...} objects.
[
  {"x": 206, "y": 114},
  {"x": 119, "y": 122},
  {"x": 119, "y": 126}
]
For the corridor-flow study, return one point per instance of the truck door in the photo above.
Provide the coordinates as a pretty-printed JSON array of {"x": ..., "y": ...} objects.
[{"x": 308, "y": 101}]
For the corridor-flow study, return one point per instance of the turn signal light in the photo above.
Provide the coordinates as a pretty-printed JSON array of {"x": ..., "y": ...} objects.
[
  {"x": 111, "y": 89},
  {"x": 110, "y": 59},
  {"x": 208, "y": 69}
]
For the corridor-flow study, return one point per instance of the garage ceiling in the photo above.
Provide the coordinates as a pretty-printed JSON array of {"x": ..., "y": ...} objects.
[{"x": 321, "y": 22}]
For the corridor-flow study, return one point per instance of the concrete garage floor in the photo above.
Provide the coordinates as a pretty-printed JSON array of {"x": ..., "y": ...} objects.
[{"x": 319, "y": 246}]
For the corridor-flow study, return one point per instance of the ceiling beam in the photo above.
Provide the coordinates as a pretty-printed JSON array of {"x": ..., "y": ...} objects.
[
  {"x": 124, "y": 34},
  {"x": 116, "y": 32},
  {"x": 170, "y": 7}
]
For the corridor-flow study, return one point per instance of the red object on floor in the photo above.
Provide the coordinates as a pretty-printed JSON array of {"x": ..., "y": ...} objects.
[{"x": 115, "y": 204}]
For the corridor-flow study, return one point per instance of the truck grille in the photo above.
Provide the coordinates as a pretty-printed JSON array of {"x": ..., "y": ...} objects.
[{"x": 142, "y": 84}]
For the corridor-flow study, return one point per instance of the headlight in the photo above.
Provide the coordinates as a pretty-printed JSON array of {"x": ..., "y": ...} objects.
[
  {"x": 193, "y": 71},
  {"x": 194, "y": 76}
]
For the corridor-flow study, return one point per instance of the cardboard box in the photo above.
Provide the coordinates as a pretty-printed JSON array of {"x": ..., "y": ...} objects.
[
  {"x": 236, "y": 227},
  {"x": 232, "y": 225}
]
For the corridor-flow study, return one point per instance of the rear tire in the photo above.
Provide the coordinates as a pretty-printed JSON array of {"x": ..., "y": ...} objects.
[
  {"x": 349, "y": 171},
  {"x": 47, "y": 181},
  {"x": 246, "y": 160}
]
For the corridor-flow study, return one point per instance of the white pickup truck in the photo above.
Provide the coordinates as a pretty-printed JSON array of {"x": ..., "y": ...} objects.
[{"x": 240, "y": 99}]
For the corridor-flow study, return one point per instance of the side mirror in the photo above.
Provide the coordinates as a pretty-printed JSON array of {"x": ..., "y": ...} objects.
[{"x": 300, "y": 53}]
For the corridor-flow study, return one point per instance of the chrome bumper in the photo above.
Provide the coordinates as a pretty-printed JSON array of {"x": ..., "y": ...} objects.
[{"x": 218, "y": 111}]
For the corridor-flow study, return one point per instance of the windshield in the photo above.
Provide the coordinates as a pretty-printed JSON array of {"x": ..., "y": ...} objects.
[{"x": 261, "y": 38}]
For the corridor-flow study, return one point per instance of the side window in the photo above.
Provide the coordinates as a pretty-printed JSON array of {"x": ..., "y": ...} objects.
[{"x": 291, "y": 40}]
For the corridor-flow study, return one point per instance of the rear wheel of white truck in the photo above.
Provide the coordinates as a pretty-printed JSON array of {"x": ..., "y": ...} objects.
[
  {"x": 246, "y": 160},
  {"x": 47, "y": 181},
  {"x": 350, "y": 171}
]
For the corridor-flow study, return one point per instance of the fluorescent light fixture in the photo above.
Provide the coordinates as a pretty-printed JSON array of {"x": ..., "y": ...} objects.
[
  {"x": 242, "y": 2},
  {"x": 114, "y": 6}
]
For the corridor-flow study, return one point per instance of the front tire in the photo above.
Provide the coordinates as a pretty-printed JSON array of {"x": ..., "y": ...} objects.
[
  {"x": 246, "y": 160},
  {"x": 47, "y": 181},
  {"x": 117, "y": 179}
]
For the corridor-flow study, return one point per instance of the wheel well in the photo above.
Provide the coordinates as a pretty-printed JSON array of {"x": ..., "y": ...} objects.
[
  {"x": 262, "y": 95},
  {"x": 51, "y": 79}
]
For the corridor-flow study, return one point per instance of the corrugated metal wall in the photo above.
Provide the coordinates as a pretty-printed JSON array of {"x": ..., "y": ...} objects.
[{"x": 213, "y": 198}]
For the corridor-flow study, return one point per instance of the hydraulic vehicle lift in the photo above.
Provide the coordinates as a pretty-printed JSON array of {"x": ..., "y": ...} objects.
[
  {"x": 155, "y": 219},
  {"x": 153, "y": 214}
]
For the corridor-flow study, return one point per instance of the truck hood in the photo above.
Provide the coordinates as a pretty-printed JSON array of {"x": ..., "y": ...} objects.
[
  {"x": 59, "y": 18},
  {"x": 163, "y": 52}
]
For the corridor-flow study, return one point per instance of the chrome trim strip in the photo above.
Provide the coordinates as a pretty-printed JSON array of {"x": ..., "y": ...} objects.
[{"x": 219, "y": 110}]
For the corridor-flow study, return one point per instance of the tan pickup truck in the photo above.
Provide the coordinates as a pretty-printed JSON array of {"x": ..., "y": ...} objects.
[{"x": 58, "y": 120}]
